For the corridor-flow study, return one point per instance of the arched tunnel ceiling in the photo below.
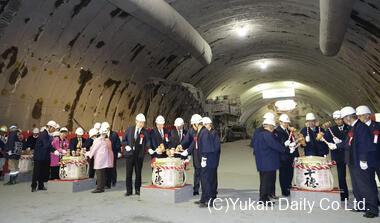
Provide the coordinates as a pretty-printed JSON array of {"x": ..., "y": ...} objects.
[{"x": 79, "y": 61}]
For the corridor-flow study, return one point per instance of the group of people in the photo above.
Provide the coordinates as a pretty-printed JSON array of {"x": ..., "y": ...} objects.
[
  {"x": 353, "y": 142},
  {"x": 201, "y": 141},
  {"x": 103, "y": 147}
]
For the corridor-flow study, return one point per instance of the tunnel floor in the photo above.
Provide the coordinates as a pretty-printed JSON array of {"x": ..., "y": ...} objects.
[{"x": 238, "y": 178}]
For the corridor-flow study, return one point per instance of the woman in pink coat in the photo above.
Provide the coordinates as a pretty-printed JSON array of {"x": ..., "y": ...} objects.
[
  {"x": 101, "y": 150},
  {"x": 60, "y": 145}
]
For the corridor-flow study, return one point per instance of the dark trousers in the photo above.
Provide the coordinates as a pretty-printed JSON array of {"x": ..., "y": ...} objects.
[
  {"x": 54, "y": 172},
  {"x": 267, "y": 179},
  {"x": 209, "y": 184},
  {"x": 341, "y": 169},
  {"x": 40, "y": 173},
  {"x": 286, "y": 176},
  {"x": 135, "y": 163},
  {"x": 91, "y": 171},
  {"x": 273, "y": 188},
  {"x": 197, "y": 179},
  {"x": 111, "y": 174},
  {"x": 100, "y": 179},
  {"x": 364, "y": 187}
]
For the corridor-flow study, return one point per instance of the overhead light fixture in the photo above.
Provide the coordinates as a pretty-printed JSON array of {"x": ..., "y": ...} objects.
[
  {"x": 242, "y": 30},
  {"x": 263, "y": 65},
  {"x": 285, "y": 105},
  {"x": 278, "y": 93}
]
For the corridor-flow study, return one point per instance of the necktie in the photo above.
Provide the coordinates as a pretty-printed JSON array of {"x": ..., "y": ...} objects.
[
  {"x": 136, "y": 133},
  {"x": 180, "y": 135},
  {"x": 162, "y": 134}
]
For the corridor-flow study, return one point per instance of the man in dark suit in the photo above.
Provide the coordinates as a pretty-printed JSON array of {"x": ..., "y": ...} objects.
[
  {"x": 178, "y": 134},
  {"x": 158, "y": 136},
  {"x": 78, "y": 141},
  {"x": 358, "y": 149},
  {"x": 313, "y": 146},
  {"x": 284, "y": 137},
  {"x": 136, "y": 141},
  {"x": 267, "y": 154},
  {"x": 42, "y": 157},
  {"x": 335, "y": 136}
]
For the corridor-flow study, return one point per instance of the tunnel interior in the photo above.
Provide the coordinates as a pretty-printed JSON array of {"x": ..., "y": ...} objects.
[{"x": 82, "y": 61}]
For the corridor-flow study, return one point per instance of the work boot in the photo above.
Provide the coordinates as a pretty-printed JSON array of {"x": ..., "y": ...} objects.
[{"x": 10, "y": 182}]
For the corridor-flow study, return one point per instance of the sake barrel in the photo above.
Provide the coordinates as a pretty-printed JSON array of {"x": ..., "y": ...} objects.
[
  {"x": 313, "y": 173},
  {"x": 73, "y": 168},
  {"x": 169, "y": 172},
  {"x": 25, "y": 163}
]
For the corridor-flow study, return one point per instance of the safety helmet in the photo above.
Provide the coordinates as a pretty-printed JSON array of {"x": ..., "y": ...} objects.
[
  {"x": 51, "y": 124},
  {"x": 206, "y": 120},
  {"x": 284, "y": 118},
  {"x": 348, "y": 110},
  {"x": 195, "y": 119},
  {"x": 363, "y": 110},
  {"x": 269, "y": 115},
  {"x": 3, "y": 128},
  {"x": 105, "y": 125},
  {"x": 310, "y": 117},
  {"x": 178, "y": 122},
  {"x": 97, "y": 125},
  {"x": 79, "y": 131},
  {"x": 269, "y": 121},
  {"x": 35, "y": 131},
  {"x": 93, "y": 132},
  {"x": 337, "y": 114},
  {"x": 160, "y": 120},
  {"x": 63, "y": 129},
  {"x": 140, "y": 118}
]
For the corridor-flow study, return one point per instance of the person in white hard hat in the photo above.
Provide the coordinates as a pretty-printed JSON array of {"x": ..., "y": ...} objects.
[
  {"x": 187, "y": 143},
  {"x": 60, "y": 147},
  {"x": 359, "y": 147},
  {"x": 284, "y": 136},
  {"x": 364, "y": 114},
  {"x": 177, "y": 135},
  {"x": 159, "y": 135},
  {"x": 41, "y": 157},
  {"x": 136, "y": 142},
  {"x": 267, "y": 154},
  {"x": 210, "y": 172},
  {"x": 101, "y": 152},
  {"x": 92, "y": 135},
  {"x": 335, "y": 136},
  {"x": 32, "y": 139},
  {"x": 313, "y": 146},
  {"x": 78, "y": 141},
  {"x": 3, "y": 141}
]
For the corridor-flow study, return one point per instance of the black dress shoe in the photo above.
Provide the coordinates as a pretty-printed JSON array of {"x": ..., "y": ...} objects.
[
  {"x": 199, "y": 202},
  {"x": 357, "y": 210},
  {"x": 370, "y": 215},
  {"x": 108, "y": 187},
  {"x": 128, "y": 194},
  {"x": 34, "y": 189},
  {"x": 137, "y": 192},
  {"x": 195, "y": 193},
  {"x": 96, "y": 191},
  {"x": 203, "y": 205},
  {"x": 42, "y": 188}
]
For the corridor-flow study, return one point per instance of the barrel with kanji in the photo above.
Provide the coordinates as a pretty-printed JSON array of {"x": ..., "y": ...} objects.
[{"x": 168, "y": 172}]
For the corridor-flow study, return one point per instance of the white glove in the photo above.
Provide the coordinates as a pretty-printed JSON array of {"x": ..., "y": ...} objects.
[
  {"x": 287, "y": 143},
  {"x": 307, "y": 138},
  {"x": 9, "y": 153},
  {"x": 128, "y": 148},
  {"x": 87, "y": 153},
  {"x": 331, "y": 146},
  {"x": 64, "y": 151},
  {"x": 292, "y": 147},
  {"x": 363, "y": 165},
  {"x": 118, "y": 155},
  {"x": 56, "y": 153},
  {"x": 204, "y": 162},
  {"x": 28, "y": 149},
  {"x": 151, "y": 151},
  {"x": 185, "y": 153},
  {"x": 336, "y": 140}
]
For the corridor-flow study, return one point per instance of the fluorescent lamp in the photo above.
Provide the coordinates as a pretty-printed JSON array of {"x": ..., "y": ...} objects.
[
  {"x": 285, "y": 105},
  {"x": 242, "y": 31},
  {"x": 278, "y": 93}
]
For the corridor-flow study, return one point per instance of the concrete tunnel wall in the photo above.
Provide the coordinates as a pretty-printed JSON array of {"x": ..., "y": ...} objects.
[{"x": 80, "y": 61}]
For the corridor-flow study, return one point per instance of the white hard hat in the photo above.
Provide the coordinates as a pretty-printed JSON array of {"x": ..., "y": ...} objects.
[
  {"x": 195, "y": 119},
  {"x": 97, "y": 125},
  {"x": 310, "y": 117},
  {"x": 51, "y": 123},
  {"x": 178, "y": 122},
  {"x": 103, "y": 130},
  {"x": 93, "y": 132},
  {"x": 79, "y": 131},
  {"x": 284, "y": 118},
  {"x": 3, "y": 128},
  {"x": 269, "y": 115},
  {"x": 160, "y": 120},
  {"x": 13, "y": 128},
  {"x": 43, "y": 128},
  {"x": 56, "y": 133},
  {"x": 337, "y": 114},
  {"x": 36, "y": 131},
  {"x": 363, "y": 110},
  {"x": 140, "y": 118},
  {"x": 63, "y": 129},
  {"x": 269, "y": 121},
  {"x": 57, "y": 126},
  {"x": 206, "y": 120},
  {"x": 105, "y": 125},
  {"x": 347, "y": 111}
]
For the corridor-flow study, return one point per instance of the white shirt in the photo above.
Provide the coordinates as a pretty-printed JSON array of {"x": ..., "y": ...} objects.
[
  {"x": 137, "y": 131},
  {"x": 368, "y": 122},
  {"x": 354, "y": 122}
]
